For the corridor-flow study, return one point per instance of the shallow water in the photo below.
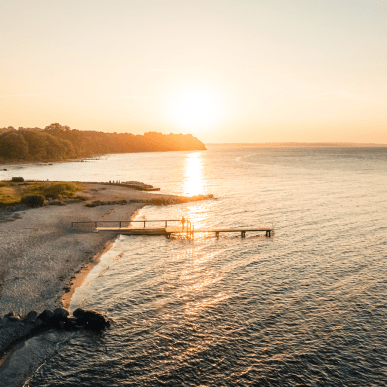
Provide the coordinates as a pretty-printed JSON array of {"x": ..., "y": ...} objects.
[{"x": 305, "y": 307}]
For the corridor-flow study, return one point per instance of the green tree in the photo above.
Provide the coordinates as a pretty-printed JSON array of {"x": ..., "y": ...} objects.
[
  {"x": 54, "y": 149},
  {"x": 36, "y": 144},
  {"x": 13, "y": 146}
]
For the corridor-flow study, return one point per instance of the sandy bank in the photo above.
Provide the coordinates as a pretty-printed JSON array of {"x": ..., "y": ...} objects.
[{"x": 40, "y": 252}]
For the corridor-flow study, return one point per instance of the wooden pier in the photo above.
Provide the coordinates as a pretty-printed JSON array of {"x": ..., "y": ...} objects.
[{"x": 186, "y": 228}]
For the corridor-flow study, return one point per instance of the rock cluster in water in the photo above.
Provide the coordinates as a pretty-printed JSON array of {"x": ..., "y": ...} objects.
[
  {"x": 13, "y": 328},
  {"x": 61, "y": 319}
]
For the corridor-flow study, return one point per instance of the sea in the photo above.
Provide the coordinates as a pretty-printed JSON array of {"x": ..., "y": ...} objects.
[{"x": 305, "y": 307}]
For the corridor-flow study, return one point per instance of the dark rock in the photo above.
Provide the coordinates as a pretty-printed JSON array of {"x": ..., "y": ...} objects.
[
  {"x": 61, "y": 313},
  {"x": 14, "y": 318},
  {"x": 31, "y": 316},
  {"x": 80, "y": 322},
  {"x": 45, "y": 315},
  {"x": 11, "y": 316},
  {"x": 95, "y": 320},
  {"x": 57, "y": 317},
  {"x": 68, "y": 324},
  {"x": 54, "y": 322},
  {"x": 39, "y": 323},
  {"x": 79, "y": 313},
  {"x": 71, "y": 324}
]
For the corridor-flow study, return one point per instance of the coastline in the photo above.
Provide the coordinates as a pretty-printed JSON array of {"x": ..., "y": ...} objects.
[
  {"x": 79, "y": 277},
  {"x": 44, "y": 259}
]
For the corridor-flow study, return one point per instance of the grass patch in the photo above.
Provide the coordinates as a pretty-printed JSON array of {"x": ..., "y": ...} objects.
[
  {"x": 59, "y": 189},
  {"x": 8, "y": 196},
  {"x": 51, "y": 190},
  {"x": 11, "y": 193}
]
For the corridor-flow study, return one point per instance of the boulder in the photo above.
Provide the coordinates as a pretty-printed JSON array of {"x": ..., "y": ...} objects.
[
  {"x": 61, "y": 313},
  {"x": 80, "y": 322},
  {"x": 79, "y": 313},
  {"x": 95, "y": 320},
  {"x": 14, "y": 318},
  {"x": 31, "y": 316},
  {"x": 70, "y": 324},
  {"x": 11, "y": 316},
  {"x": 54, "y": 321},
  {"x": 45, "y": 315}
]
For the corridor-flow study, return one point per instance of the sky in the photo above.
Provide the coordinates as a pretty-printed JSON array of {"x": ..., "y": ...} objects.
[{"x": 223, "y": 70}]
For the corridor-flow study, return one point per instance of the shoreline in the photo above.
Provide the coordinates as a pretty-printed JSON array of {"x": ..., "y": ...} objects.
[
  {"x": 79, "y": 277},
  {"x": 44, "y": 259}
]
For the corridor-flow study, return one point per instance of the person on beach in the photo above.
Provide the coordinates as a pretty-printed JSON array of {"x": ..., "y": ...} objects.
[{"x": 182, "y": 222}]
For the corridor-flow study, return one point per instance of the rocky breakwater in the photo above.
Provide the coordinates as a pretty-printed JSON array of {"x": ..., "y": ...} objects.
[{"x": 14, "y": 329}]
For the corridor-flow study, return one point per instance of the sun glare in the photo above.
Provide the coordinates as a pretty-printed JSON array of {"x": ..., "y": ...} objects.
[
  {"x": 195, "y": 109},
  {"x": 193, "y": 182}
]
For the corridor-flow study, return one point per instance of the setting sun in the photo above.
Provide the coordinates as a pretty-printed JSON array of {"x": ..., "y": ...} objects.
[{"x": 195, "y": 109}]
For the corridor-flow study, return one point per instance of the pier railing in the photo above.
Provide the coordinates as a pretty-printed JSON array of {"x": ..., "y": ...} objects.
[
  {"x": 186, "y": 227},
  {"x": 128, "y": 222},
  {"x": 190, "y": 228}
]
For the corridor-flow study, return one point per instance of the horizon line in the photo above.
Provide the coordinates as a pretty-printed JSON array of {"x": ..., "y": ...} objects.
[{"x": 291, "y": 143}]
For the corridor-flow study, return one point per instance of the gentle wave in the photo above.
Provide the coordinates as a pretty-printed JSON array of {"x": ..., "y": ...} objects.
[{"x": 306, "y": 307}]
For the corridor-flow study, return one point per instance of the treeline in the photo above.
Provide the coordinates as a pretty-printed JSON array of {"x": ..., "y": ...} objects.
[{"x": 56, "y": 142}]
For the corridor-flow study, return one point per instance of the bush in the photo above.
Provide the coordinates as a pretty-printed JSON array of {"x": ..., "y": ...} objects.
[
  {"x": 81, "y": 198},
  {"x": 55, "y": 190},
  {"x": 18, "y": 179},
  {"x": 33, "y": 200}
]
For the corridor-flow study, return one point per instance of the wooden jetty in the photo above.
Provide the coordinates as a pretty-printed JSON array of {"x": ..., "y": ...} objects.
[{"x": 125, "y": 227}]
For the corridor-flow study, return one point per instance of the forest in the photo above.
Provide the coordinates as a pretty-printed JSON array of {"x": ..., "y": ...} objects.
[{"x": 58, "y": 142}]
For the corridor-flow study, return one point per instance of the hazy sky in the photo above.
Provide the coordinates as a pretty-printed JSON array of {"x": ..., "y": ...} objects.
[{"x": 223, "y": 70}]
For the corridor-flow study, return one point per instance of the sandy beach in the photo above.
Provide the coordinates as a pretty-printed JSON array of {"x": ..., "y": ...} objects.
[{"x": 43, "y": 259}]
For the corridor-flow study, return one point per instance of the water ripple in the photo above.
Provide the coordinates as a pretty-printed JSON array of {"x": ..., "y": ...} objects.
[{"x": 304, "y": 308}]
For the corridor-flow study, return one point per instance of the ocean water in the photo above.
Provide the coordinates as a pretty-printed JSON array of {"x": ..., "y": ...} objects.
[{"x": 307, "y": 307}]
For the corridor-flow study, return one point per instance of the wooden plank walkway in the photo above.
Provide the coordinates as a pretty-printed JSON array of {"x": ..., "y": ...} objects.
[
  {"x": 134, "y": 231},
  {"x": 168, "y": 230},
  {"x": 217, "y": 231}
]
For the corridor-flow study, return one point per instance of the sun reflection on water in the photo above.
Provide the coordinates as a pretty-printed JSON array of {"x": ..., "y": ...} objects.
[{"x": 194, "y": 182}]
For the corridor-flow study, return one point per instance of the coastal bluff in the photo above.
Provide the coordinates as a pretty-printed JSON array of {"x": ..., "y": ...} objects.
[{"x": 59, "y": 142}]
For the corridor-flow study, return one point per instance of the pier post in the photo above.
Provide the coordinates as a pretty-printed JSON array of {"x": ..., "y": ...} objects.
[
  {"x": 144, "y": 223},
  {"x": 243, "y": 234},
  {"x": 217, "y": 234}
]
